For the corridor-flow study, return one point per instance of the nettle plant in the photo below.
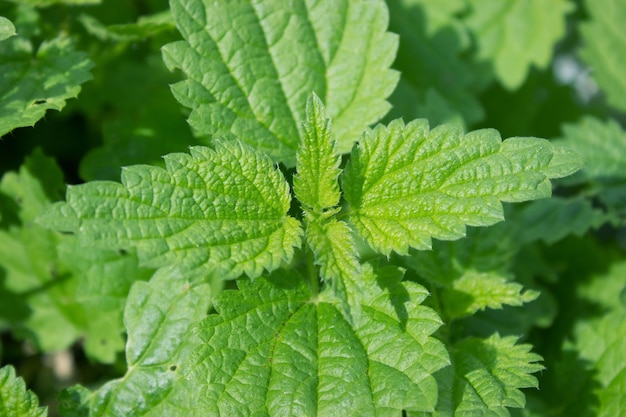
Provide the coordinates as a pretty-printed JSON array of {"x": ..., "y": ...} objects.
[{"x": 302, "y": 257}]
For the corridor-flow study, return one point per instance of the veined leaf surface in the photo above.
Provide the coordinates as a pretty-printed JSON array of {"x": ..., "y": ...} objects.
[
  {"x": 221, "y": 211},
  {"x": 15, "y": 399},
  {"x": 407, "y": 184},
  {"x": 275, "y": 349},
  {"x": 251, "y": 66}
]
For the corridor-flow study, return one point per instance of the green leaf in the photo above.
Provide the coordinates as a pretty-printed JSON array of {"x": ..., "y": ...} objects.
[
  {"x": 603, "y": 144},
  {"x": 53, "y": 292},
  {"x": 15, "y": 400},
  {"x": 517, "y": 34},
  {"x": 7, "y": 29},
  {"x": 251, "y": 67},
  {"x": 604, "y": 48},
  {"x": 315, "y": 184},
  {"x": 489, "y": 374},
  {"x": 221, "y": 212},
  {"x": 158, "y": 316},
  {"x": 32, "y": 83},
  {"x": 555, "y": 218},
  {"x": 145, "y": 27},
  {"x": 473, "y": 273},
  {"x": 436, "y": 83},
  {"x": 104, "y": 280},
  {"x": 407, "y": 184},
  {"x": 295, "y": 354},
  {"x": 599, "y": 340}
]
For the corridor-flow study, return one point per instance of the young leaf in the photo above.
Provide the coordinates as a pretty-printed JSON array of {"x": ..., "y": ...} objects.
[
  {"x": 221, "y": 211},
  {"x": 473, "y": 273},
  {"x": 251, "y": 67},
  {"x": 604, "y": 48},
  {"x": 516, "y": 34},
  {"x": 7, "y": 29},
  {"x": 407, "y": 184},
  {"x": 297, "y": 355},
  {"x": 489, "y": 374},
  {"x": 32, "y": 83},
  {"x": 158, "y": 318},
  {"x": 315, "y": 184},
  {"x": 15, "y": 400}
]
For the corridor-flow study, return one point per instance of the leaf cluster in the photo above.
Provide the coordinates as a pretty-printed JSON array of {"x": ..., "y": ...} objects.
[{"x": 312, "y": 208}]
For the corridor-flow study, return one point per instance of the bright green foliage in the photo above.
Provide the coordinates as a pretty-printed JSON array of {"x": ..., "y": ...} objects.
[
  {"x": 316, "y": 186},
  {"x": 53, "y": 291},
  {"x": 327, "y": 320},
  {"x": 33, "y": 82},
  {"x": 15, "y": 400},
  {"x": 473, "y": 273},
  {"x": 222, "y": 212},
  {"x": 294, "y": 353},
  {"x": 338, "y": 49},
  {"x": 489, "y": 374},
  {"x": 516, "y": 34},
  {"x": 158, "y": 318},
  {"x": 604, "y": 48},
  {"x": 407, "y": 184},
  {"x": 7, "y": 29}
]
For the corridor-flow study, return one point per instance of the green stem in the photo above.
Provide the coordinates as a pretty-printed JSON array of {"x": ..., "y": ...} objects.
[{"x": 313, "y": 276}]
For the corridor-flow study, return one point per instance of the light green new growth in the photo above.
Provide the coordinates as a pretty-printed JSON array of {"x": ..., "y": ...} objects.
[
  {"x": 7, "y": 29},
  {"x": 489, "y": 374},
  {"x": 297, "y": 355},
  {"x": 33, "y": 82},
  {"x": 516, "y": 34},
  {"x": 604, "y": 49},
  {"x": 316, "y": 186},
  {"x": 407, "y": 184},
  {"x": 15, "y": 400},
  {"x": 252, "y": 66},
  {"x": 221, "y": 212}
]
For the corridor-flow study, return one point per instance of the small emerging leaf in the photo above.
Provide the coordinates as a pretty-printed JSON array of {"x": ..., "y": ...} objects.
[
  {"x": 315, "y": 183},
  {"x": 407, "y": 184},
  {"x": 15, "y": 400},
  {"x": 222, "y": 212}
]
